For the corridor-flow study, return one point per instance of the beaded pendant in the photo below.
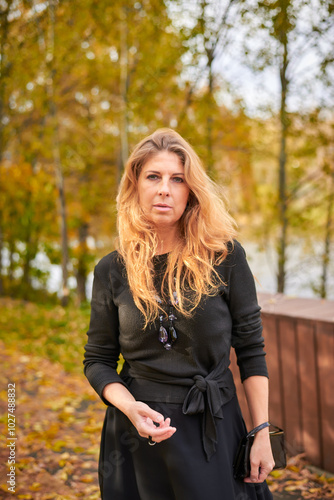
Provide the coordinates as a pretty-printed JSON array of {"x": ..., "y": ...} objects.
[{"x": 167, "y": 336}]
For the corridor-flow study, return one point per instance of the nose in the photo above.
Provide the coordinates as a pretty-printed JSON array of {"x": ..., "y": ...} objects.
[
  {"x": 163, "y": 192},
  {"x": 163, "y": 189}
]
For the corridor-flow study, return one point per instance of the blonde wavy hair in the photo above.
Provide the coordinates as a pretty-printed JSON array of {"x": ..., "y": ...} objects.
[{"x": 205, "y": 230}]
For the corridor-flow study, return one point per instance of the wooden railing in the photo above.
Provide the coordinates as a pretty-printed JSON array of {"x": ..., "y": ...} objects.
[{"x": 299, "y": 338}]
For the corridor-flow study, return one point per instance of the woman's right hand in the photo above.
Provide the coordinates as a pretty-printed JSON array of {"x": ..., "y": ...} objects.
[{"x": 149, "y": 422}]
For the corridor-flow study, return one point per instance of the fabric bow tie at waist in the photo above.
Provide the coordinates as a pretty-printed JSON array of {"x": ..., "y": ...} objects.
[{"x": 206, "y": 395}]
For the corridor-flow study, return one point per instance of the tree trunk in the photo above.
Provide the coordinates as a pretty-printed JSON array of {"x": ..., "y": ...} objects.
[
  {"x": 11, "y": 267},
  {"x": 211, "y": 39},
  {"x": 3, "y": 75},
  {"x": 30, "y": 254},
  {"x": 282, "y": 244},
  {"x": 82, "y": 270},
  {"x": 124, "y": 126},
  {"x": 328, "y": 234},
  {"x": 210, "y": 160},
  {"x": 57, "y": 157}
]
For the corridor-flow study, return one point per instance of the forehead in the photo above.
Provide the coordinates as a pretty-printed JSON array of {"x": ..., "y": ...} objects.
[{"x": 164, "y": 160}]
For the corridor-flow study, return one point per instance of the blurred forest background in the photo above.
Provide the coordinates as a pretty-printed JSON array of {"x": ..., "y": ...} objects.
[{"x": 248, "y": 83}]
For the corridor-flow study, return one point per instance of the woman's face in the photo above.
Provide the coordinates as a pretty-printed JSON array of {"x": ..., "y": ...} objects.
[{"x": 162, "y": 189}]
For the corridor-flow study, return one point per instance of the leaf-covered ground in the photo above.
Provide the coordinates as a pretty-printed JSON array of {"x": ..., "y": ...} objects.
[
  {"x": 58, "y": 422},
  {"x": 58, "y": 417}
]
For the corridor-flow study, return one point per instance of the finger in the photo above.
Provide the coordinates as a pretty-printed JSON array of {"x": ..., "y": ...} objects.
[
  {"x": 257, "y": 479},
  {"x": 254, "y": 474},
  {"x": 152, "y": 415},
  {"x": 166, "y": 435},
  {"x": 165, "y": 423},
  {"x": 148, "y": 428},
  {"x": 147, "y": 411},
  {"x": 251, "y": 479},
  {"x": 263, "y": 474},
  {"x": 154, "y": 425},
  {"x": 157, "y": 431}
]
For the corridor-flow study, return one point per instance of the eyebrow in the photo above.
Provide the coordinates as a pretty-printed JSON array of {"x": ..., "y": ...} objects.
[{"x": 158, "y": 172}]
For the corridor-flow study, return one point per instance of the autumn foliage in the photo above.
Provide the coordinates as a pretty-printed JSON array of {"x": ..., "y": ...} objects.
[{"x": 82, "y": 82}]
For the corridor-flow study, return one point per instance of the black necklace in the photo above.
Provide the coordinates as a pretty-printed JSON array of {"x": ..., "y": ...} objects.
[{"x": 167, "y": 336}]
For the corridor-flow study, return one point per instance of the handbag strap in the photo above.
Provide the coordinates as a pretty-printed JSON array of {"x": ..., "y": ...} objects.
[
  {"x": 277, "y": 428},
  {"x": 257, "y": 429}
]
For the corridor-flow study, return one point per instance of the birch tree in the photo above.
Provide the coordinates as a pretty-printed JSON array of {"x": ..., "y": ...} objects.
[{"x": 287, "y": 31}]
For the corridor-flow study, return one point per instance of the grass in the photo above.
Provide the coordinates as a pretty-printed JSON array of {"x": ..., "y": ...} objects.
[{"x": 50, "y": 331}]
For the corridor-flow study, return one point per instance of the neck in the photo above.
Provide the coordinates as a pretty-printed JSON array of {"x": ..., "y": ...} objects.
[{"x": 167, "y": 239}]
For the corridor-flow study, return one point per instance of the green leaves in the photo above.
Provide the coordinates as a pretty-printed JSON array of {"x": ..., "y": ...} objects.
[{"x": 57, "y": 332}]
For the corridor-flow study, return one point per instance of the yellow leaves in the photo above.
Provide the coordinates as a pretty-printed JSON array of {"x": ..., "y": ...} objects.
[
  {"x": 276, "y": 473},
  {"x": 294, "y": 487},
  {"x": 325, "y": 477},
  {"x": 35, "y": 486},
  {"x": 88, "y": 478},
  {"x": 62, "y": 475},
  {"x": 51, "y": 432},
  {"x": 79, "y": 449},
  {"x": 56, "y": 405},
  {"x": 24, "y": 463},
  {"x": 93, "y": 428},
  {"x": 59, "y": 445},
  {"x": 93, "y": 496},
  {"x": 319, "y": 493},
  {"x": 66, "y": 415},
  {"x": 299, "y": 477},
  {"x": 38, "y": 427},
  {"x": 89, "y": 465},
  {"x": 293, "y": 468},
  {"x": 23, "y": 192},
  {"x": 64, "y": 459}
]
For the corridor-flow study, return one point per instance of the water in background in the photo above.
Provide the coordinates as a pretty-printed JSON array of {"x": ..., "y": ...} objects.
[{"x": 303, "y": 271}]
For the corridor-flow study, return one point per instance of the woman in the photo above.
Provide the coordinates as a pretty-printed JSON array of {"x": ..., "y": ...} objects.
[{"x": 173, "y": 299}]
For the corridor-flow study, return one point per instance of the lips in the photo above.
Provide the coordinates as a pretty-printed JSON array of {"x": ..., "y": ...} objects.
[{"x": 162, "y": 208}]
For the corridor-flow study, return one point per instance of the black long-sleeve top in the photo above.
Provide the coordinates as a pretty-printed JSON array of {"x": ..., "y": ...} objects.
[
  {"x": 200, "y": 356},
  {"x": 232, "y": 318}
]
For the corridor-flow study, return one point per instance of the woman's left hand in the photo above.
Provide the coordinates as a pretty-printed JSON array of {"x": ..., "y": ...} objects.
[{"x": 261, "y": 458}]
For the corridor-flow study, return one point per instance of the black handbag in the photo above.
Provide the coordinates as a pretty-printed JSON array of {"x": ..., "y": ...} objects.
[{"x": 241, "y": 464}]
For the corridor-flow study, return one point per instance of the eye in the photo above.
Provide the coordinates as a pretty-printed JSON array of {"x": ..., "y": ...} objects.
[
  {"x": 178, "y": 179},
  {"x": 152, "y": 177}
]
